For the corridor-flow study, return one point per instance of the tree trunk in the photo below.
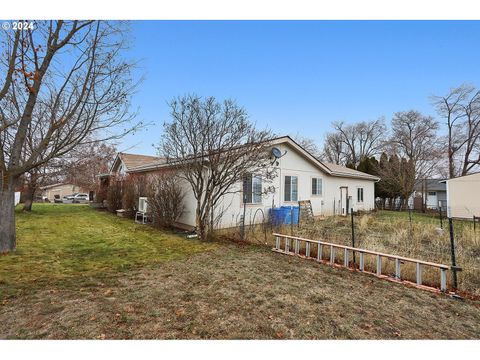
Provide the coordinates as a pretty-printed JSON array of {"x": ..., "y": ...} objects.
[
  {"x": 451, "y": 166},
  {"x": 27, "y": 206},
  {"x": 7, "y": 216},
  {"x": 199, "y": 221}
]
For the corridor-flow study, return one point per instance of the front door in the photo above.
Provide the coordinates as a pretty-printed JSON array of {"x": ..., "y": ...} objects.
[{"x": 343, "y": 200}]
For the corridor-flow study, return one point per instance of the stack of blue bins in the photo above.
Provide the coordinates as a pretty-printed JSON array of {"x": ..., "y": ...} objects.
[{"x": 283, "y": 215}]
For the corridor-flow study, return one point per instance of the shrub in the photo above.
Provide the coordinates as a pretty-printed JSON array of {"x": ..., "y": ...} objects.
[
  {"x": 134, "y": 186},
  {"x": 165, "y": 200},
  {"x": 114, "y": 195},
  {"x": 101, "y": 194}
]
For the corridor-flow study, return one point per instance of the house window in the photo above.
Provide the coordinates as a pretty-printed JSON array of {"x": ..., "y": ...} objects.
[
  {"x": 252, "y": 189},
  {"x": 316, "y": 186},
  {"x": 432, "y": 193},
  {"x": 291, "y": 188},
  {"x": 360, "y": 195}
]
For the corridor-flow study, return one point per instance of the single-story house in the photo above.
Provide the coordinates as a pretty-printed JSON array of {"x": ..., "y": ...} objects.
[
  {"x": 433, "y": 192},
  {"x": 61, "y": 190},
  {"x": 332, "y": 189},
  {"x": 463, "y": 196},
  {"x": 126, "y": 163}
]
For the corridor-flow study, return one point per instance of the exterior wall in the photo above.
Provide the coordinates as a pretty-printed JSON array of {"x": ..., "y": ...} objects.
[
  {"x": 293, "y": 164},
  {"x": 432, "y": 200},
  {"x": 61, "y": 190},
  {"x": 463, "y": 195},
  {"x": 442, "y": 197}
]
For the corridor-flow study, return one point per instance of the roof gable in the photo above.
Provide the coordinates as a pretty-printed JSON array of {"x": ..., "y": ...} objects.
[
  {"x": 330, "y": 169},
  {"x": 132, "y": 161}
]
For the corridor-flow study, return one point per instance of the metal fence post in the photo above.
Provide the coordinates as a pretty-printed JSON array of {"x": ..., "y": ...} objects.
[
  {"x": 452, "y": 251},
  {"x": 353, "y": 236},
  {"x": 291, "y": 221},
  {"x": 441, "y": 218}
]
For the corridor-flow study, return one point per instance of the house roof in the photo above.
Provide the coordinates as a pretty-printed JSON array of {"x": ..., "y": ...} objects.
[
  {"x": 131, "y": 161},
  {"x": 456, "y": 177},
  {"x": 330, "y": 169},
  {"x": 431, "y": 184},
  {"x": 339, "y": 170},
  {"x": 46, "y": 187}
]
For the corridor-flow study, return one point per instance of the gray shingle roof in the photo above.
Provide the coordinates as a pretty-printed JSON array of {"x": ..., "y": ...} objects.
[{"x": 432, "y": 185}]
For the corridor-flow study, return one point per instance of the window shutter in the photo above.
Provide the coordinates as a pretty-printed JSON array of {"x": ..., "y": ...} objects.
[
  {"x": 287, "y": 188},
  {"x": 247, "y": 188}
]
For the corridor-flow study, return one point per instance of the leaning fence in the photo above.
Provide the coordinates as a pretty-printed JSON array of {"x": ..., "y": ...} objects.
[{"x": 309, "y": 245}]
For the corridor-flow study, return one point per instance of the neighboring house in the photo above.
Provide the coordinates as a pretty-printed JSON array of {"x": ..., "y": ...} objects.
[
  {"x": 125, "y": 163},
  {"x": 49, "y": 191},
  {"x": 463, "y": 196},
  {"x": 300, "y": 176},
  {"x": 432, "y": 192}
]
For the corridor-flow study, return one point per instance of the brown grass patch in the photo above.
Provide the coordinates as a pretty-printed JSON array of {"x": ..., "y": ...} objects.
[{"x": 240, "y": 292}]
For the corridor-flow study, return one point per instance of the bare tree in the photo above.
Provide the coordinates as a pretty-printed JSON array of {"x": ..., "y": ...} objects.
[
  {"x": 414, "y": 136},
  {"x": 334, "y": 149},
  {"x": 213, "y": 146},
  {"x": 397, "y": 179},
  {"x": 82, "y": 165},
  {"x": 308, "y": 144},
  {"x": 62, "y": 81},
  {"x": 165, "y": 199},
  {"x": 360, "y": 140},
  {"x": 460, "y": 108}
]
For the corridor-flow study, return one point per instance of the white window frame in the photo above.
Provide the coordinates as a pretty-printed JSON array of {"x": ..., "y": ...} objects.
[
  {"x": 318, "y": 180},
  {"x": 256, "y": 197},
  {"x": 291, "y": 189}
]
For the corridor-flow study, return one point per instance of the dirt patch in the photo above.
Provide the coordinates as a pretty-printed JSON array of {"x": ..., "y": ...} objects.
[{"x": 240, "y": 292}]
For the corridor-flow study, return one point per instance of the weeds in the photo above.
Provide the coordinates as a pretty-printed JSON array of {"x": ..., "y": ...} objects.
[{"x": 392, "y": 233}]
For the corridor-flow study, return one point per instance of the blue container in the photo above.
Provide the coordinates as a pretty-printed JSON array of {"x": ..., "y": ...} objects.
[
  {"x": 277, "y": 216},
  {"x": 288, "y": 217}
]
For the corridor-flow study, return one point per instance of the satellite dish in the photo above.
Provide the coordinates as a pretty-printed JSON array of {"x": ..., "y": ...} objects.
[{"x": 277, "y": 154}]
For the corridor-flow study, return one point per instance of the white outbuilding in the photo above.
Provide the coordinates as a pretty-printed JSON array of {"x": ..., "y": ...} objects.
[{"x": 463, "y": 196}]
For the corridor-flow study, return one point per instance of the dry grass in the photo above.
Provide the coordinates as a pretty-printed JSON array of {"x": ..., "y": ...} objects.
[
  {"x": 240, "y": 292},
  {"x": 390, "y": 232},
  {"x": 118, "y": 280}
]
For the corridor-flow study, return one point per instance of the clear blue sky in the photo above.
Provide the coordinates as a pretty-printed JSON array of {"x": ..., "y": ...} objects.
[{"x": 299, "y": 76}]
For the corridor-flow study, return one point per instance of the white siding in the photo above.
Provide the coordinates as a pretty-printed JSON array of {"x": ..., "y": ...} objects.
[
  {"x": 463, "y": 196},
  {"x": 292, "y": 164}
]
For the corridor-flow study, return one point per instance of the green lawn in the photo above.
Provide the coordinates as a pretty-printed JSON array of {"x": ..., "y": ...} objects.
[{"x": 73, "y": 245}]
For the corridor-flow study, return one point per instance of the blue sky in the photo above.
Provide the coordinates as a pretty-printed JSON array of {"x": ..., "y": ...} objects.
[{"x": 299, "y": 76}]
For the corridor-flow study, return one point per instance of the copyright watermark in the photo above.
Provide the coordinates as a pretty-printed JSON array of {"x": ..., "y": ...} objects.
[{"x": 18, "y": 25}]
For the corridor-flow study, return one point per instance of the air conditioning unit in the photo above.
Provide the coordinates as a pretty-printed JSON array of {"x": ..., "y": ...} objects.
[{"x": 142, "y": 204}]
